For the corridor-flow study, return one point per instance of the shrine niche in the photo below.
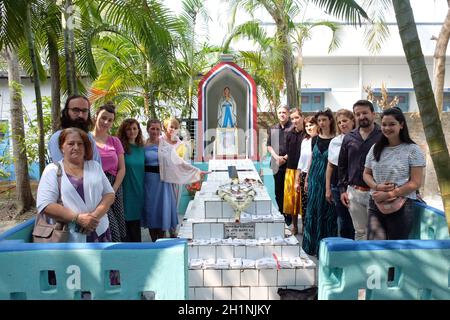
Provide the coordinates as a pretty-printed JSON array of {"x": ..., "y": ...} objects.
[{"x": 227, "y": 111}]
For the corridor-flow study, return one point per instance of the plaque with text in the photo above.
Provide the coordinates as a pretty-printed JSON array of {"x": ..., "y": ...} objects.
[{"x": 239, "y": 230}]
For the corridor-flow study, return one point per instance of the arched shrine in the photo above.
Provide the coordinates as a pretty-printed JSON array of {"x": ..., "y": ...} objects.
[{"x": 225, "y": 133}]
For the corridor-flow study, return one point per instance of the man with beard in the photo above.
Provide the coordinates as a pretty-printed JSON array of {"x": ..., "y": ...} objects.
[
  {"x": 75, "y": 114},
  {"x": 355, "y": 146}
]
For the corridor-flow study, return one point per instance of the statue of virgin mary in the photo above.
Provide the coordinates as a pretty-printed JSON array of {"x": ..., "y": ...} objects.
[{"x": 227, "y": 110}]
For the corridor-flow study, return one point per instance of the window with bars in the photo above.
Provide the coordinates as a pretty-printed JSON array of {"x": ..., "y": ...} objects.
[
  {"x": 446, "y": 103},
  {"x": 403, "y": 100},
  {"x": 312, "y": 101}
]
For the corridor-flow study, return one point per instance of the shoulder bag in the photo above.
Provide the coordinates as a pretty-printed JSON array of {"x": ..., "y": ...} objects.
[
  {"x": 45, "y": 232},
  {"x": 391, "y": 205}
]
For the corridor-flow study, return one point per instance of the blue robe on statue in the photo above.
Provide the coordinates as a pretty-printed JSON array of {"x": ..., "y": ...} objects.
[{"x": 228, "y": 115}]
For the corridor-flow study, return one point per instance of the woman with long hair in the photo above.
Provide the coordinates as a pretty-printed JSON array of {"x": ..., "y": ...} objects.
[
  {"x": 113, "y": 163},
  {"x": 130, "y": 134},
  {"x": 310, "y": 130},
  {"x": 345, "y": 121},
  {"x": 321, "y": 217},
  {"x": 393, "y": 169}
]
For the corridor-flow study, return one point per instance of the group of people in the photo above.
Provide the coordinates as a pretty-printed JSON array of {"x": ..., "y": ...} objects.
[
  {"x": 334, "y": 171},
  {"x": 111, "y": 186},
  {"x": 340, "y": 172}
]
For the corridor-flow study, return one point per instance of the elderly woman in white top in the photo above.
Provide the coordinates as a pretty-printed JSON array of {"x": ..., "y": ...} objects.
[
  {"x": 311, "y": 128},
  {"x": 86, "y": 193}
]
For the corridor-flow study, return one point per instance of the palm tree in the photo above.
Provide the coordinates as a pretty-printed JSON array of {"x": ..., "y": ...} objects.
[
  {"x": 301, "y": 32},
  {"x": 284, "y": 12},
  {"x": 439, "y": 60},
  {"x": 144, "y": 30},
  {"x": 69, "y": 47},
  {"x": 37, "y": 86},
  {"x": 265, "y": 64},
  {"x": 425, "y": 98},
  {"x": 25, "y": 200},
  {"x": 17, "y": 30},
  {"x": 193, "y": 58}
]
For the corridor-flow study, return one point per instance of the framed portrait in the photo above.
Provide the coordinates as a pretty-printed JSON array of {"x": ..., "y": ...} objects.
[{"x": 226, "y": 142}]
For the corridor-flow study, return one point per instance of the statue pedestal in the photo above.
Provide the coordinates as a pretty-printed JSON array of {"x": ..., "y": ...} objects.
[{"x": 226, "y": 143}]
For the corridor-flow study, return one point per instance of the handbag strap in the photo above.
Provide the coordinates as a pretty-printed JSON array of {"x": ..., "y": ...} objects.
[{"x": 58, "y": 177}]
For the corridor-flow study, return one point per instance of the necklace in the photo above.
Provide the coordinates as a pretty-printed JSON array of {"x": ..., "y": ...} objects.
[{"x": 73, "y": 170}]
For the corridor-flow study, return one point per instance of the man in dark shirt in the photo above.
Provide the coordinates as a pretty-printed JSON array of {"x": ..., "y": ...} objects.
[
  {"x": 354, "y": 149},
  {"x": 276, "y": 145}
]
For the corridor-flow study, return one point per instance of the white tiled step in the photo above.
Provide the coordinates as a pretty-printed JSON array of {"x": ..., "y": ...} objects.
[
  {"x": 238, "y": 293},
  {"x": 247, "y": 283},
  {"x": 251, "y": 277},
  {"x": 221, "y": 164},
  {"x": 208, "y": 230},
  {"x": 216, "y": 208},
  {"x": 245, "y": 252},
  {"x": 196, "y": 210}
]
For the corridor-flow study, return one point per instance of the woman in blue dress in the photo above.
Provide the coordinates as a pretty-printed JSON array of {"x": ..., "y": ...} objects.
[
  {"x": 321, "y": 220},
  {"x": 163, "y": 168}
]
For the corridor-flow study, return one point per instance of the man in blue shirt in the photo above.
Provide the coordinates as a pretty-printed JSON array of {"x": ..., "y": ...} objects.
[
  {"x": 76, "y": 113},
  {"x": 352, "y": 157}
]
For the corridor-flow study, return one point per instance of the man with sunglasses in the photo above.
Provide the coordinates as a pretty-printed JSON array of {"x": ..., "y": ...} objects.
[{"x": 75, "y": 114}]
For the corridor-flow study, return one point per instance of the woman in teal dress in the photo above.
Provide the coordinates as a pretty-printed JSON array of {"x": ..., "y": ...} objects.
[
  {"x": 321, "y": 220},
  {"x": 130, "y": 134}
]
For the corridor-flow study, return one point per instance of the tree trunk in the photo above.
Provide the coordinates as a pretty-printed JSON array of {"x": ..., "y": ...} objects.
[
  {"x": 425, "y": 98},
  {"x": 299, "y": 78},
  {"x": 146, "y": 103},
  {"x": 439, "y": 61},
  {"x": 288, "y": 61},
  {"x": 37, "y": 88},
  {"x": 288, "y": 65},
  {"x": 438, "y": 87},
  {"x": 56, "y": 81},
  {"x": 24, "y": 197},
  {"x": 69, "y": 49}
]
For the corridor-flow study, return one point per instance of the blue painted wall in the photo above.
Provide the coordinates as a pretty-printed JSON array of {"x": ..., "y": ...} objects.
[
  {"x": 145, "y": 268},
  {"x": 386, "y": 270}
]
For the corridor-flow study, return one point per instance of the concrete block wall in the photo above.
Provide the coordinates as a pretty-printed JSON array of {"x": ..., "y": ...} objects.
[{"x": 260, "y": 284}]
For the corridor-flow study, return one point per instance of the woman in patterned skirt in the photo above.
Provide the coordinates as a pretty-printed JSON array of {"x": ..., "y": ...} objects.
[
  {"x": 113, "y": 164},
  {"x": 321, "y": 219}
]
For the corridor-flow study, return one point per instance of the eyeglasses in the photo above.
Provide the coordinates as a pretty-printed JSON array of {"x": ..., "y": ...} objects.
[{"x": 78, "y": 110}]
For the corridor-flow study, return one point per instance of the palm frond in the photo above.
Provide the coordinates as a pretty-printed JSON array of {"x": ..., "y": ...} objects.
[
  {"x": 348, "y": 10},
  {"x": 376, "y": 32}
]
